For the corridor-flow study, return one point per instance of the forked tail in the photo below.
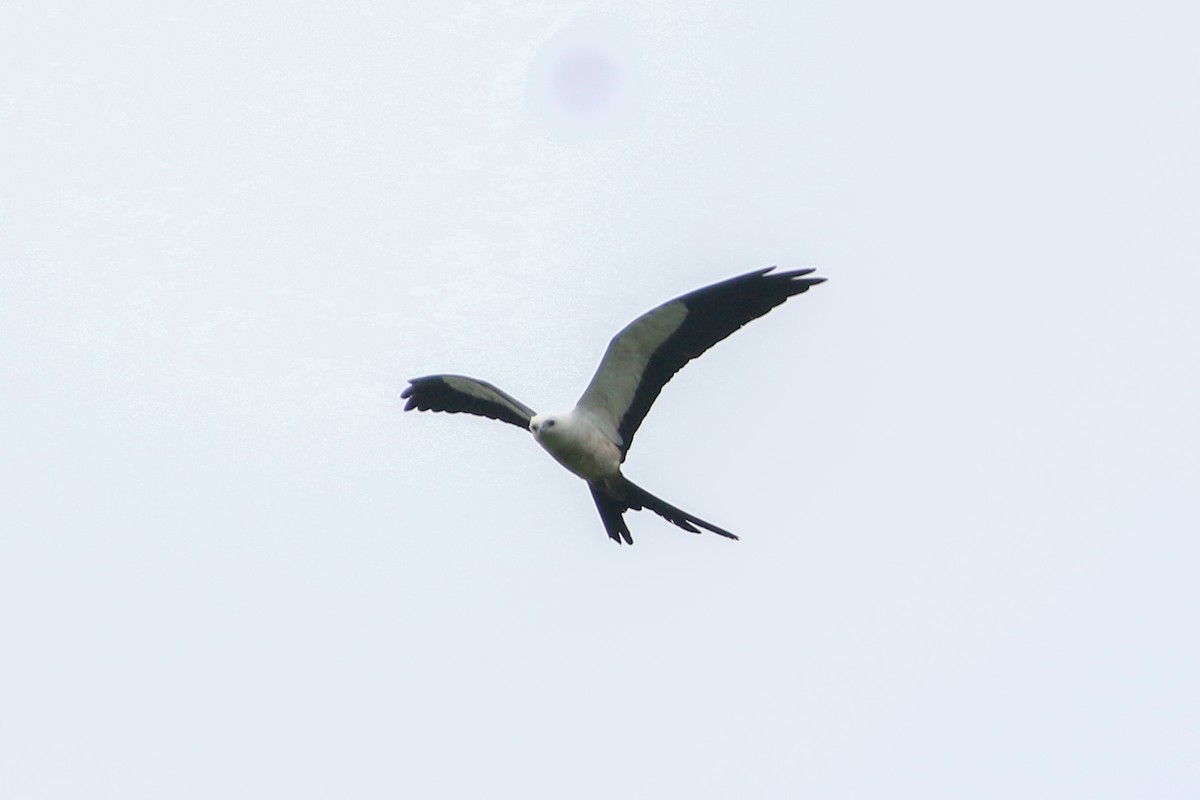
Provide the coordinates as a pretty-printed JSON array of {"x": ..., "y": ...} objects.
[{"x": 616, "y": 497}]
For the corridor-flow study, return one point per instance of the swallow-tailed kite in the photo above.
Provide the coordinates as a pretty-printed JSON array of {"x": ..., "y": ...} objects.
[{"x": 592, "y": 439}]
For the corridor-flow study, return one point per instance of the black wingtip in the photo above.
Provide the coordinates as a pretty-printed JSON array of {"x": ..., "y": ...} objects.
[
  {"x": 796, "y": 279},
  {"x": 792, "y": 274}
]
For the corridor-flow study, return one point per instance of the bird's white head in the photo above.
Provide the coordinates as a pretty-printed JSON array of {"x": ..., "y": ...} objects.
[{"x": 542, "y": 424}]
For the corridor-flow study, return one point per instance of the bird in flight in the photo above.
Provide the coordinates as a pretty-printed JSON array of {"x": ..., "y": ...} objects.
[{"x": 593, "y": 438}]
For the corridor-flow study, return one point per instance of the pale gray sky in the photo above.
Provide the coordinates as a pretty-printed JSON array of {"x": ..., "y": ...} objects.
[{"x": 965, "y": 470}]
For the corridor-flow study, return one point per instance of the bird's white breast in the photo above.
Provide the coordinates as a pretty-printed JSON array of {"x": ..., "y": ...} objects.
[{"x": 575, "y": 442}]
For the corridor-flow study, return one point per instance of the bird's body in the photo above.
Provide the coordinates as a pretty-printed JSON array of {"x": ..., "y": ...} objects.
[
  {"x": 577, "y": 442},
  {"x": 592, "y": 439}
]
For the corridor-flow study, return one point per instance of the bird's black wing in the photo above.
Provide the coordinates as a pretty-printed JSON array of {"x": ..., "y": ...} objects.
[
  {"x": 458, "y": 393},
  {"x": 650, "y": 350}
]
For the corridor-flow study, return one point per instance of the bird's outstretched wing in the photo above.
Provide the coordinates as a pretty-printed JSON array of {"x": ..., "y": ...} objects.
[
  {"x": 458, "y": 393},
  {"x": 650, "y": 350}
]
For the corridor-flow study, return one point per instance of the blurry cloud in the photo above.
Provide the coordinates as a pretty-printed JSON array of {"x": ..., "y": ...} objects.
[{"x": 586, "y": 79}]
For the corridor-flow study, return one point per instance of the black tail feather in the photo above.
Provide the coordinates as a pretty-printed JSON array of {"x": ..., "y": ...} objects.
[
  {"x": 638, "y": 498},
  {"x": 614, "y": 500},
  {"x": 610, "y": 514}
]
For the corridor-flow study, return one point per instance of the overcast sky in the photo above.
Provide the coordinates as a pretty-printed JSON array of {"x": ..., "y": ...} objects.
[{"x": 965, "y": 471}]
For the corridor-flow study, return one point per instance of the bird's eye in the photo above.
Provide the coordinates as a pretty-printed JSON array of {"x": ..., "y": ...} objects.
[{"x": 549, "y": 423}]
